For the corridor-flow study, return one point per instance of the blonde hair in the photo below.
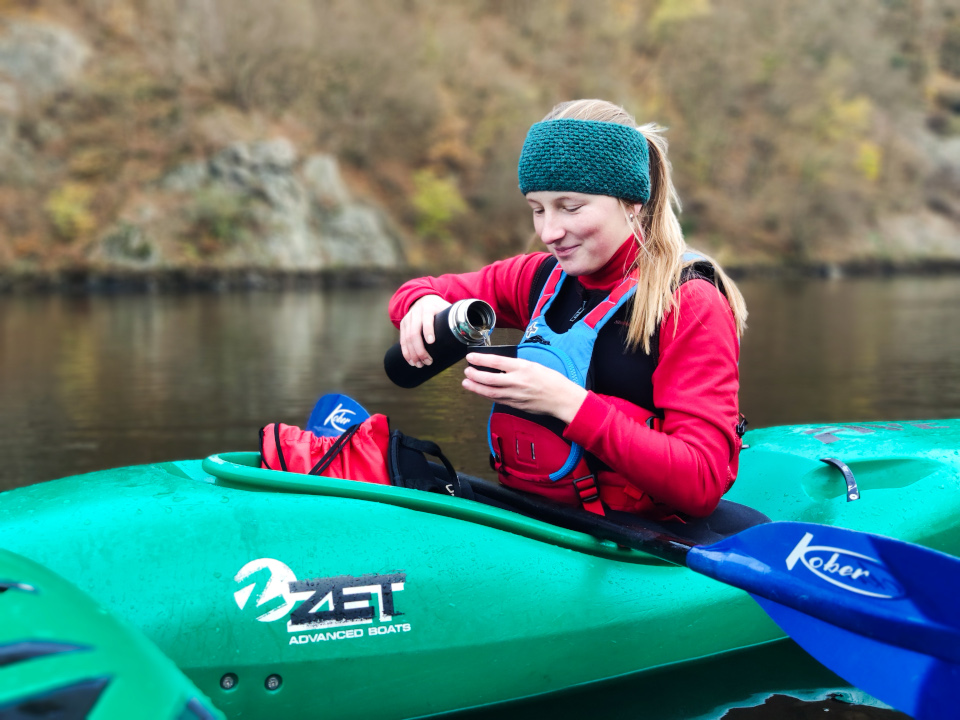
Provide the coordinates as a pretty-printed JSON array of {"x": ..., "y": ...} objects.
[{"x": 657, "y": 231}]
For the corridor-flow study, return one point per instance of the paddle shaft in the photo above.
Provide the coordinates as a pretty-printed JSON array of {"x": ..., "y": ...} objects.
[{"x": 653, "y": 542}]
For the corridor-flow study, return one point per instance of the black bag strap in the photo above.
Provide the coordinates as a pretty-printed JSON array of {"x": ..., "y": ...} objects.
[
  {"x": 276, "y": 439},
  {"x": 331, "y": 454},
  {"x": 430, "y": 448},
  {"x": 408, "y": 467}
]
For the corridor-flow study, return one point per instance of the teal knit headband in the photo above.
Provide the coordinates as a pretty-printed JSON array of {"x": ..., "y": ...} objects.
[{"x": 598, "y": 158}]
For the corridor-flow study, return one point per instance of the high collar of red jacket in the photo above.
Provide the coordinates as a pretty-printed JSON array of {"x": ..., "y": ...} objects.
[{"x": 610, "y": 275}]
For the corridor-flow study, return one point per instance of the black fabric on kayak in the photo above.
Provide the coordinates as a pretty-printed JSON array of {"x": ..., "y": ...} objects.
[{"x": 623, "y": 528}]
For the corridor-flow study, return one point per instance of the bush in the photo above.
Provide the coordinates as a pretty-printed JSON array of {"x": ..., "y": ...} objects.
[
  {"x": 217, "y": 219},
  {"x": 68, "y": 208},
  {"x": 437, "y": 202}
]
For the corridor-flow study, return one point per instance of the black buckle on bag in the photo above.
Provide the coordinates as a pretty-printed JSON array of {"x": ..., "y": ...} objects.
[
  {"x": 741, "y": 426},
  {"x": 496, "y": 458},
  {"x": 589, "y": 486}
]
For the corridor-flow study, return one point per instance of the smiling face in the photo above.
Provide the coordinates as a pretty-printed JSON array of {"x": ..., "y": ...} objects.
[{"x": 582, "y": 231}]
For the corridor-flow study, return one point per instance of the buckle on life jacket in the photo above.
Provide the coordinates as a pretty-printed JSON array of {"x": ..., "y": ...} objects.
[
  {"x": 496, "y": 458},
  {"x": 589, "y": 494}
]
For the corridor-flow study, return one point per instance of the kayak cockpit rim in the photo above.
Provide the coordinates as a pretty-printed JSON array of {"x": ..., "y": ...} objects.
[{"x": 241, "y": 470}]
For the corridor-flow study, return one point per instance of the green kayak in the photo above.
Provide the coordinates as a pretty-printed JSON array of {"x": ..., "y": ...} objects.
[
  {"x": 63, "y": 656},
  {"x": 289, "y": 594}
]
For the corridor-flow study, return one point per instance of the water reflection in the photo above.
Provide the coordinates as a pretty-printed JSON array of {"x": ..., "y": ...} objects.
[
  {"x": 94, "y": 382},
  {"x": 105, "y": 381},
  {"x": 851, "y": 350}
]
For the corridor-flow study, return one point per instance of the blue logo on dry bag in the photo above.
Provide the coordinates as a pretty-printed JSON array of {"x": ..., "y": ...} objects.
[{"x": 334, "y": 413}]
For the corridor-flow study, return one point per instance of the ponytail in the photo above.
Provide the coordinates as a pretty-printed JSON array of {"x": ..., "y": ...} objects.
[
  {"x": 656, "y": 229},
  {"x": 661, "y": 248}
]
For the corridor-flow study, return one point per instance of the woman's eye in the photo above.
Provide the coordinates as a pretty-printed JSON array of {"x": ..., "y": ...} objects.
[
  {"x": 538, "y": 211},
  {"x": 573, "y": 208}
]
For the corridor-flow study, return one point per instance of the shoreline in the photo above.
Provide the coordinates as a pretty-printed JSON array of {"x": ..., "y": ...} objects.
[{"x": 210, "y": 279}]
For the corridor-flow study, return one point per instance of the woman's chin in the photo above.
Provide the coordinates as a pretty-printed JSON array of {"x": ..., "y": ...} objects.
[
  {"x": 571, "y": 271},
  {"x": 573, "y": 268}
]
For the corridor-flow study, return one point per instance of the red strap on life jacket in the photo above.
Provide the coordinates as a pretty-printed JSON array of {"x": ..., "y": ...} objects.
[
  {"x": 549, "y": 288},
  {"x": 596, "y": 315},
  {"x": 589, "y": 494}
]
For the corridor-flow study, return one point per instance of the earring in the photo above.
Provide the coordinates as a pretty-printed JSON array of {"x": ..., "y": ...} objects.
[{"x": 631, "y": 217}]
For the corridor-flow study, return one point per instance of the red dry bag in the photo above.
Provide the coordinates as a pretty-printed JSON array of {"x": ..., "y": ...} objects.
[
  {"x": 360, "y": 453},
  {"x": 367, "y": 451}
]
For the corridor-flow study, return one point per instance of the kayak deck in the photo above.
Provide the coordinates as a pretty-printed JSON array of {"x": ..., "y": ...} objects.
[
  {"x": 242, "y": 470},
  {"x": 619, "y": 536}
]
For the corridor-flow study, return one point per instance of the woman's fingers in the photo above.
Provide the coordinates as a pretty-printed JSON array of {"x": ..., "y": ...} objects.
[
  {"x": 523, "y": 385},
  {"x": 517, "y": 383},
  {"x": 416, "y": 329},
  {"x": 411, "y": 343},
  {"x": 491, "y": 362},
  {"x": 427, "y": 318}
]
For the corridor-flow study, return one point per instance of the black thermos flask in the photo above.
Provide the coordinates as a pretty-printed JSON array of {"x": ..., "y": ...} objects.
[{"x": 461, "y": 327}]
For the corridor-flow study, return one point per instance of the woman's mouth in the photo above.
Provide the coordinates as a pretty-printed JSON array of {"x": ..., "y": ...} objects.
[{"x": 564, "y": 251}]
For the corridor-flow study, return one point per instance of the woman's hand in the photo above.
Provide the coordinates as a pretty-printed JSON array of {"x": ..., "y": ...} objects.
[
  {"x": 417, "y": 327},
  {"x": 524, "y": 385}
]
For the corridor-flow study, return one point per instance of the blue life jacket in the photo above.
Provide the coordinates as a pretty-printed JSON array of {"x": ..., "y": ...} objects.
[{"x": 570, "y": 354}]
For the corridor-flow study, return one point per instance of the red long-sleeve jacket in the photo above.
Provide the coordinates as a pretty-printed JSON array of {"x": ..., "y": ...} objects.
[{"x": 690, "y": 460}]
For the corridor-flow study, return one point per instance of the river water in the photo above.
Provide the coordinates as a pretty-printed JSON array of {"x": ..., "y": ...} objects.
[{"x": 91, "y": 382}]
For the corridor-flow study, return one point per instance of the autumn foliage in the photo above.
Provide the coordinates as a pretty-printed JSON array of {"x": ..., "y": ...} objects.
[{"x": 792, "y": 123}]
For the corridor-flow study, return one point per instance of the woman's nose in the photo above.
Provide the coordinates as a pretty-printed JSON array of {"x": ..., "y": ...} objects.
[{"x": 551, "y": 229}]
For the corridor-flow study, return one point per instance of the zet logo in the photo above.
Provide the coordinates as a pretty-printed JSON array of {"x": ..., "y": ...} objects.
[
  {"x": 340, "y": 418},
  {"x": 532, "y": 329},
  {"x": 275, "y": 596},
  {"x": 846, "y": 569},
  {"x": 343, "y": 601}
]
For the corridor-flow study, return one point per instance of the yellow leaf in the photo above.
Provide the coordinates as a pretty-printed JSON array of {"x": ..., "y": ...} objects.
[
  {"x": 671, "y": 11},
  {"x": 849, "y": 118},
  {"x": 869, "y": 160},
  {"x": 437, "y": 201},
  {"x": 68, "y": 208}
]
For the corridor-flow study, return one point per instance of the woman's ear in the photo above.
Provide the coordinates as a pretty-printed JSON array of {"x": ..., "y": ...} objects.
[{"x": 637, "y": 207}]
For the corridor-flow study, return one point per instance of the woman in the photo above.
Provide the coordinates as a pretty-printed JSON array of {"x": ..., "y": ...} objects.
[{"x": 631, "y": 345}]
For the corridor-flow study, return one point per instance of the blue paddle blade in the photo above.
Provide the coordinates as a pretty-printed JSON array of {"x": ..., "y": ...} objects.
[
  {"x": 924, "y": 687},
  {"x": 846, "y": 585},
  {"x": 334, "y": 413}
]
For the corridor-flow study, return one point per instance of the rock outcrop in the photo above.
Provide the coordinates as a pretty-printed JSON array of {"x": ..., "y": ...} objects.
[
  {"x": 275, "y": 211},
  {"x": 37, "y": 60}
]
